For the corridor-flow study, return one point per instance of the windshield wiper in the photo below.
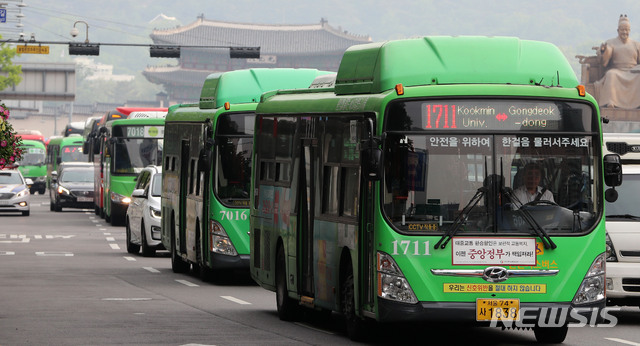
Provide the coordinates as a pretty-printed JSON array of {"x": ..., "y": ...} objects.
[
  {"x": 462, "y": 218},
  {"x": 625, "y": 216},
  {"x": 539, "y": 230}
]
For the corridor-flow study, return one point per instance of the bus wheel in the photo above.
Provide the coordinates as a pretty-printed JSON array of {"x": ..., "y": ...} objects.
[
  {"x": 550, "y": 335},
  {"x": 147, "y": 251},
  {"x": 131, "y": 248},
  {"x": 355, "y": 325},
  {"x": 287, "y": 308}
]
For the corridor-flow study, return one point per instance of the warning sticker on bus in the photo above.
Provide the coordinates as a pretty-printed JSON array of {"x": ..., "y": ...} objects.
[
  {"x": 493, "y": 251},
  {"x": 494, "y": 288}
]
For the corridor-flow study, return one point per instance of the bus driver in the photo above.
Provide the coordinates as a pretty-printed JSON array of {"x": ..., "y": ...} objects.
[{"x": 531, "y": 190}]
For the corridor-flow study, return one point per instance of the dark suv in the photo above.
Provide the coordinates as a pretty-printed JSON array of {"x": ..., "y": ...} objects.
[{"x": 72, "y": 187}]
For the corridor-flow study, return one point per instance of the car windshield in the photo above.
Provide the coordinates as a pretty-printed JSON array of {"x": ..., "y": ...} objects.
[
  {"x": 628, "y": 198},
  {"x": 156, "y": 185},
  {"x": 77, "y": 176},
  {"x": 10, "y": 178}
]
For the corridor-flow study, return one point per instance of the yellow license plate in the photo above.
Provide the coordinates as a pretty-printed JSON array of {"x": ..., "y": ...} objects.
[{"x": 497, "y": 309}]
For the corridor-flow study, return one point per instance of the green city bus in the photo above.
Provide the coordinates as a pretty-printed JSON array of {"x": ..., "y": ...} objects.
[
  {"x": 126, "y": 147},
  {"x": 32, "y": 164},
  {"x": 63, "y": 149},
  {"x": 207, "y": 172},
  {"x": 392, "y": 195}
]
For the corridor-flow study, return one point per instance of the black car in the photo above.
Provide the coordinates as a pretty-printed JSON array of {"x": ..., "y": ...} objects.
[{"x": 73, "y": 188}]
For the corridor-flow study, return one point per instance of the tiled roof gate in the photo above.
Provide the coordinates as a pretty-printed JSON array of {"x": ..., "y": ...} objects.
[{"x": 317, "y": 46}]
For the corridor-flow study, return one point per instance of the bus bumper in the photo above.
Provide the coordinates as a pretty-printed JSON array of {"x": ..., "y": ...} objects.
[
  {"x": 219, "y": 261},
  {"x": 465, "y": 312}
]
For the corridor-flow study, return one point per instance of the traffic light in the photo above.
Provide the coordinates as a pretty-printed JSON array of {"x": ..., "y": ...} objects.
[
  {"x": 164, "y": 52},
  {"x": 244, "y": 52},
  {"x": 84, "y": 49}
]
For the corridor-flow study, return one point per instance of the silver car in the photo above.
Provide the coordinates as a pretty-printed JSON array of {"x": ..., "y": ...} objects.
[
  {"x": 143, "y": 220},
  {"x": 14, "y": 192}
]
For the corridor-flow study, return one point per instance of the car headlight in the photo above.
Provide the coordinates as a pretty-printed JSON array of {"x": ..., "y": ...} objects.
[
  {"x": 22, "y": 193},
  {"x": 63, "y": 190},
  {"x": 155, "y": 212},
  {"x": 611, "y": 251}
]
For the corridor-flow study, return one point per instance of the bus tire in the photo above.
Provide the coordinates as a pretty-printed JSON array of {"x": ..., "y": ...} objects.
[
  {"x": 131, "y": 247},
  {"x": 147, "y": 251},
  {"x": 355, "y": 325},
  {"x": 177, "y": 264},
  {"x": 550, "y": 335},
  {"x": 288, "y": 308}
]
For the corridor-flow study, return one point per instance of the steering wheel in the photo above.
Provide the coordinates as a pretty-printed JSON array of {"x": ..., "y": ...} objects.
[{"x": 542, "y": 202}]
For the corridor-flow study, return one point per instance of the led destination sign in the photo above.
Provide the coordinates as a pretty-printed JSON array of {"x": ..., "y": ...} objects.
[{"x": 491, "y": 114}]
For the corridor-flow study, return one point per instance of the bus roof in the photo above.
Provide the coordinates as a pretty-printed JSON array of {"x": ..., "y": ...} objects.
[
  {"x": 128, "y": 110},
  {"x": 376, "y": 67},
  {"x": 32, "y": 143},
  {"x": 246, "y": 86}
]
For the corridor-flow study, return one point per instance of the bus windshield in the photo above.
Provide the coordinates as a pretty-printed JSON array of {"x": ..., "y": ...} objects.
[
  {"x": 234, "y": 147},
  {"x": 73, "y": 153},
  {"x": 131, "y": 155},
  {"x": 32, "y": 157},
  {"x": 487, "y": 182}
]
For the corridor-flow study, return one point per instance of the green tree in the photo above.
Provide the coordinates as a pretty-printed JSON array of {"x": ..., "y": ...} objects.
[{"x": 11, "y": 74}]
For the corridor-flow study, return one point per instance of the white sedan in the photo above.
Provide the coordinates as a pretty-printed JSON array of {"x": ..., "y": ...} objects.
[
  {"x": 143, "y": 222},
  {"x": 14, "y": 192}
]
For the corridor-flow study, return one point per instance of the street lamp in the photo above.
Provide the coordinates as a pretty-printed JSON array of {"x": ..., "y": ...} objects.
[{"x": 85, "y": 48}]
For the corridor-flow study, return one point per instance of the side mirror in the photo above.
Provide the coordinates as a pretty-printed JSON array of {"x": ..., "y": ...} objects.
[
  {"x": 54, "y": 176},
  {"x": 371, "y": 163},
  {"x": 612, "y": 176},
  {"x": 612, "y": 170},
  {"x": 138, "y": 193}
]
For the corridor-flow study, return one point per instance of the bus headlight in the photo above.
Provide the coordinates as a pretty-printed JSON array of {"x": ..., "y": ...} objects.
[
  {"x": 219, "y": 240},
  {"x": 118, "y": 198},
  {"x": 593, "y": 285},
  {"x": 392, "y": 284}
]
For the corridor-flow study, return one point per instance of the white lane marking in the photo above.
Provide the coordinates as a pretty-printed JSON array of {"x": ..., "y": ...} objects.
[
  {"x": 150, "y": 269},
  {"x": 130, "y": 259},
  {"x": 103, "y": 229},
  {"x": 37, "y": 236},
  {"x": 99, "y": 225},
  {"x": 107, "y": 233},
  {"x": 7, "y": 253},
  {"x": 622, "y": 341},
  {"x": 114, "y": 246},
  {"x": 96, "y": 221},
  {"x": 54, "y": 253},
  {"x": 187, "y": 283},
  {"x": 111, "y": 239},
  {"x": 125, "y": 299},
  {"x": 313, "y": 328},
  {"x": 235, "y": 300}
]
